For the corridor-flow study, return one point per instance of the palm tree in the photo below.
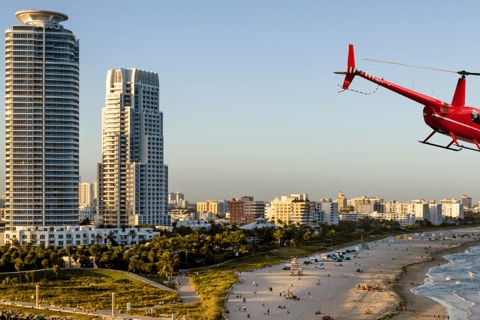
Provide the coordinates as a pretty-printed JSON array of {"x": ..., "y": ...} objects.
[
  {"x": 98, "y": 238},
  {"x": 56, "y": 269},
  {"x": 236, "y": 239},
  {"x": 19, "y": 266},
  {"x": 132, "y": 235},
  {"x": 27, "y": 276},
  {"x": 279, "y": 235},
  {"x": 45, "y": 265},
  {"x": 167, "y": 263},
  {"x": 69, "y": 251}
]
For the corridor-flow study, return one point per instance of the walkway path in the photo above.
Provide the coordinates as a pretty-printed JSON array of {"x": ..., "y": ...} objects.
[
  {"x": 186, "y": 291},
  {"x": 152, "y": 283}
]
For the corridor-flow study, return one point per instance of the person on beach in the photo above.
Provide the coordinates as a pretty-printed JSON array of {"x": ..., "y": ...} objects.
[
  {"x": 268, "y": 312},
  {"x": 244, "y": 309}
]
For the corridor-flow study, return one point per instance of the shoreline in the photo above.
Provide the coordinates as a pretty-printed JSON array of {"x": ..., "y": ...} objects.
[{"x": 413, "y": 275}]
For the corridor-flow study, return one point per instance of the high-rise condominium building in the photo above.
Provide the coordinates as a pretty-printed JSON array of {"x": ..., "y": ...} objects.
[
  {"x": 132, "y": 179},
  {"x": 85, "y": 194},
  {"x": 42, "y": 123}
]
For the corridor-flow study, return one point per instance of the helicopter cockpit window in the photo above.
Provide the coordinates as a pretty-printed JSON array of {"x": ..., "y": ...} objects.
[{"x": 475, "y": 117}]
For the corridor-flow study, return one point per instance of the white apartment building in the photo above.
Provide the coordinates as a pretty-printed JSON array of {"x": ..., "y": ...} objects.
[
  {"x": 329, "y": 211},
  {"x": 42, "y": 121},
  {"x": 293, "y": 209},
  {"x": 420, "y": 208},
  {"x": 350, "y": 216},
  {"x": 193, "y": 224},
  {"x": 78, "y": 235},
  {"x": 435, "y": 213},
  {"x": 404, "y": 219},
  {"x": 452, "y": 208},
  {"x": 84, "y": 194},
  {"x": 132, "y": 178},
  {"x": 365, "y": 208},
  {"x": 86, "y": 212},
  {"x": 175, "y": 196}
]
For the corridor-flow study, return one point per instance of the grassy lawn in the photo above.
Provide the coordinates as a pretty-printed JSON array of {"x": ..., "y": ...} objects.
[
  {"x": 47, "y": 313},
  {"x": 67, "y": 274},
  {"x": 89, "y": 288}
]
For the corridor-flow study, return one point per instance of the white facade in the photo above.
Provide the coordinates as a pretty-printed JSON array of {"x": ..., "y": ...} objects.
[
  {"x": 350, "y": 216},
  {"x": 330, "y": 212},
  {"x": 42, "y": 121},
  {"x": 86, "y": 212},
  {"x": 193, "y": 224},
  {"x": 365, "y": 208},
  {"x": 452, "y": 208},
  {"x": 435, "y": 213},
  {"x": 132, "y": 178},
  {"x": 420, "y": 208},
  {"x": 175, "y": 196},
  {"x": 78, "y": 235},
  {"x": 404, "y": 219}
]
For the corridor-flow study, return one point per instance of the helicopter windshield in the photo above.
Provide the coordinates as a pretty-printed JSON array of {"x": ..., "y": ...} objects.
[{"x": 475, "y": 117}]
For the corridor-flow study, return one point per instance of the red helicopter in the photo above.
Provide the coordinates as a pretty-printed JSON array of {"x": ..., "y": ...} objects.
[{"x": 454, "y": 120}]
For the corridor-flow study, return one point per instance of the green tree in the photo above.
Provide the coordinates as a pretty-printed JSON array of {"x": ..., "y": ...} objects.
[
  {"x": 19, "y": 266},
  {"x": 45, "y": 265}
]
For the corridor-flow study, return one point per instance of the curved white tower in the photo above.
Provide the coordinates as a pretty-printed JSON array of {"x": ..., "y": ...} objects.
[
  {"x": 132, "y": 178},
  {"x": 42, "y": 121}
]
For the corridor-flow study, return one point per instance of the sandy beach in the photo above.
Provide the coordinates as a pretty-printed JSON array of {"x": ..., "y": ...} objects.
[{"x": 394, "y": 265}]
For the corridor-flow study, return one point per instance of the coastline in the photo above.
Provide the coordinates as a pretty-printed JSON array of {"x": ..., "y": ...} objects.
[{"x": 414, "y": 275}]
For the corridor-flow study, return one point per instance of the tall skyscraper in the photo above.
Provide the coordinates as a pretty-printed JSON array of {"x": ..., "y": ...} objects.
[
  {"x": 42, "y": 121},
  {"x": 132, "y": 179}
]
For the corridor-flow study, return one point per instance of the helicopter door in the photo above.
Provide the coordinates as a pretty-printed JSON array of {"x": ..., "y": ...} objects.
[{"x": 475, "y": 117}]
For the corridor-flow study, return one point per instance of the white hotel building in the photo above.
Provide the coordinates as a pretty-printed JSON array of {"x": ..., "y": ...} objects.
[{"x": 132, "y": 178}]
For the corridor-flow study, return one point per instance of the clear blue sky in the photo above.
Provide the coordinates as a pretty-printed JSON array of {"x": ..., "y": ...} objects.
[{"x": 250, "y": 100}]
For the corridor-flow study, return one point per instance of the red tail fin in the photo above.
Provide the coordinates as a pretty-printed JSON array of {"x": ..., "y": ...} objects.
[
  {"x": 459, "y": 96},
  {"x": 350, "y": 74}
]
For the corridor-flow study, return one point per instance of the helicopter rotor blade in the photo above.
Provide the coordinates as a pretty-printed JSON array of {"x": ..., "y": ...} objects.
[{"x": 409, "y": 65}]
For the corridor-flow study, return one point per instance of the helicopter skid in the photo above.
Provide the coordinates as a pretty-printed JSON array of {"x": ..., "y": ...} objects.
[
  {"x": 448, "y": 148},
  {"x": 469, "y": 148}
]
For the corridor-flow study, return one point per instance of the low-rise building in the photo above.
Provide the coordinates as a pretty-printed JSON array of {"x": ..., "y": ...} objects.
[
  {"x": 193, "y": 224},
  {"x": 78, "y": 235}
]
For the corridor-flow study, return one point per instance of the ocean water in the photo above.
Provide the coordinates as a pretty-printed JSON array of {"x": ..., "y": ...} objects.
[{"x": 456, "y": 285}]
